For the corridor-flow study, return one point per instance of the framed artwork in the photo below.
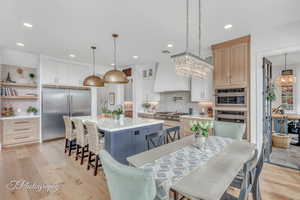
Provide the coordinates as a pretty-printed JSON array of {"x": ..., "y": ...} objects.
[
  {"x": 144, "y": 73},
  {"x": 111, "y": 98},
  {"x": 150, "y": 73}
]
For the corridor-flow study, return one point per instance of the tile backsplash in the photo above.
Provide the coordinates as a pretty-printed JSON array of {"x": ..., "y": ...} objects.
[{"x": 177, "y": 102}]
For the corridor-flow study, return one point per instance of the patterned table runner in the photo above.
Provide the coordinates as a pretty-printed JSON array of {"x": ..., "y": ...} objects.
[{"x": 169, "y": 169}]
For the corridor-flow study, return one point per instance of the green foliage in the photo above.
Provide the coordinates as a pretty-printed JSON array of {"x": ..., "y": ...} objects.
[
  {"x": 105, "y": 110},
  {"x": 146, "y": 105},
  {"x": 201, "y": 127},
  {"x": 118, "y": 111},
  {"x": 271, "y": 96},
  {"x": 32, "y": 75},
  {"x": 31, "y": 109}
]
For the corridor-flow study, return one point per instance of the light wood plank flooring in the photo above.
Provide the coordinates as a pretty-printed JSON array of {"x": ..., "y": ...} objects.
[{"x": 46, "y": 163}]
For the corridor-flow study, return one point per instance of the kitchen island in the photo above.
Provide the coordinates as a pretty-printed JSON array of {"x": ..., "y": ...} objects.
[{"x": 127, "y": 137}]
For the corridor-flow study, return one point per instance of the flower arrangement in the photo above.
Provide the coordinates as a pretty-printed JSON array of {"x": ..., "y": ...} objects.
[
  {"x": 146, "y": 106},
  {"x": 201, "y": 127},
  {"x": 118, "y": 112}
]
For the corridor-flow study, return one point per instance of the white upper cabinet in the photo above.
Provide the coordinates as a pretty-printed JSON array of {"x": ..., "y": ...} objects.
[
  {"x": 62, "y": 73},
  {"x": 166, "y": 78},
  {"x": 201, "y": 89}
]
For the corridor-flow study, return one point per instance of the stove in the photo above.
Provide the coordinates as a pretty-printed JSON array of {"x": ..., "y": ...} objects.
[{"x": 173, "y": 116}]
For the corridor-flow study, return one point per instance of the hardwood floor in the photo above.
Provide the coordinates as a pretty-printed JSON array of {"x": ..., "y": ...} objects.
[{"x": 47, "y": 164}]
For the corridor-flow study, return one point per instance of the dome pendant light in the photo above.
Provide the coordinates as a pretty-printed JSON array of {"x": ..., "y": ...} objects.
[
  {"x": 115, "y": 76},
  {"x": 93, "y": 80}
]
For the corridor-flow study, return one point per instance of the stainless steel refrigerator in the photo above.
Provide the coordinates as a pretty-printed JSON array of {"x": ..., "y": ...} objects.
[{"x": 57, "y": 103}]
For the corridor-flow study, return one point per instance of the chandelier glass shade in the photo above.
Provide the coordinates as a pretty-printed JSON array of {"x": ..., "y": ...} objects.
[
  {"x": 190, "y": 65},
  {"x": 286, "y": 78},
  {"x": 186, "y": 63},
  {"x": 93, "y": 80}
]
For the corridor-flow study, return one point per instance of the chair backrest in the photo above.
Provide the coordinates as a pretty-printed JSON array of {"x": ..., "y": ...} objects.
[
  {"x": 79, "y": 129},
  {"x": 173, "y": 133},
  {"x": 228, "y": 129},
  {"x": 94, "y": 136},
  {"x": 70, "y": 134},
  {"x": 127, "y": 183},
  {"x": 156, "y": 139}
]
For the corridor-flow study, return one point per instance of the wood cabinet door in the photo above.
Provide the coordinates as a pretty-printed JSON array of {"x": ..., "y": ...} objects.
[
  {"x": 239, "y": 64},
  {"x": 222, "y": 67}
]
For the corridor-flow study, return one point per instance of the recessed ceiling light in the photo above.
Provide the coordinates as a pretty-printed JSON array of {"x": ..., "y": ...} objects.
[
  {"x": 170, "y": 45},
  {"x": 20, "y": 44},
  {"x": 228, "y": 26},
  {"x": 112, "y": 64},
  {"x": 27, "y": 25},
  {"x": 135, "y": 57},
  {"x": 72, "y": 55}
]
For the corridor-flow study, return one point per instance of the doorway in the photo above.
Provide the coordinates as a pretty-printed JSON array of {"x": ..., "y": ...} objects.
[{"x": 281, "y": 109}]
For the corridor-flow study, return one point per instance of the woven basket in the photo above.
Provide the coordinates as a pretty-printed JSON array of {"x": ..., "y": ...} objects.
[{"x": 281, "y": 140}]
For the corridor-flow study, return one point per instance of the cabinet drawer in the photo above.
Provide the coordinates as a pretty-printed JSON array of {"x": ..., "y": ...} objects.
[
  {"x": 20, "y": 130},
  {"x": 20, "y": 123},
  {"x": 20, "y": 138}
]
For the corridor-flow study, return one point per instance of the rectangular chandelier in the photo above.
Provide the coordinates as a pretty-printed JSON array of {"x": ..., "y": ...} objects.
[{"x": 190, "y": 65}]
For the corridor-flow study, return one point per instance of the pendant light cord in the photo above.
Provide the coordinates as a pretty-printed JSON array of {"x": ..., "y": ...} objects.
[
  {"x": 93, "y": 52},
  {"x": 115, "y": 50},
  {"x": 187, "y": 25},
  {"x": 285, "y": 55}
]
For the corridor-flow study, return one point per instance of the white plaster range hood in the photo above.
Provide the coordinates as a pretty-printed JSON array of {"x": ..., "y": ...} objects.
[{"x": 166, "y": 78}]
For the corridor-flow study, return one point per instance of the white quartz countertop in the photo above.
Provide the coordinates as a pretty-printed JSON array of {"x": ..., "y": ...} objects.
[
  {"x": 196, "y": 117},
  {"x": 112, "y": 125},
  {"x": 19, "y": 117}
]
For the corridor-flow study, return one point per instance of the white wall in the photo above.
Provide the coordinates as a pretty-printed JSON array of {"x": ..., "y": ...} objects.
[
  {"x": 19, "y": 58},
  {"x": 143, "y": 88},
  {"x": 272, "y": 42}
]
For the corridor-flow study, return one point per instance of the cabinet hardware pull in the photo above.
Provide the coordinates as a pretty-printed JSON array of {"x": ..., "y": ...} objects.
[
  {"x": 22, "y": 129},
  {"x": 17, "y": 138},
  {"x": 23, "y": 122}
]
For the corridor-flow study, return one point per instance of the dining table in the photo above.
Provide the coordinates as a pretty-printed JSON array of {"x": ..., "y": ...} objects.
[{"x": 196, "y": 170}]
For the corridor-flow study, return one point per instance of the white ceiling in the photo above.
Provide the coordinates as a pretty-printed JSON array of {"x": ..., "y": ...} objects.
[
  {"x": 62, "y": 27},
  {"x": 292, "y": 59}
]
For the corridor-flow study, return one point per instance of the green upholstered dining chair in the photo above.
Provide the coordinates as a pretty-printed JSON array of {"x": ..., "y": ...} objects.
[
  {"x": 228, "y": 129},
  {"x": 127, "y": 183}
]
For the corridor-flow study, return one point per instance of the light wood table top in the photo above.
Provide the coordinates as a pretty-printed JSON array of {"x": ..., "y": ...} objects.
[
  {"x": 286, "y": 116},
  {"x": 210, "y": 181}
]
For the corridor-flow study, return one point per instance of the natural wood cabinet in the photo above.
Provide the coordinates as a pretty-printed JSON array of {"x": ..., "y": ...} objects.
[
  {"x": 19, "y": 131},
  {"x": 231, "y": 62}
]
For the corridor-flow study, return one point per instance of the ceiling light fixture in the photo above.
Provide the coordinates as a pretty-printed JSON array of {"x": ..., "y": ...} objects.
[
  {"x": 228, "y": 26},
  {"x": 72, "y": 55},
  {"x": 287, "y": 78},
  {"x": 188, "y": 64},
  {"x": 170, "y": 45},
  {"x": 27, "y": 25},
  {"x": 20, "y": 44},
  {"x": 115, "y": 76},
  {"x": 93, "y": 80},
  {"x": 135, "y": 57}
]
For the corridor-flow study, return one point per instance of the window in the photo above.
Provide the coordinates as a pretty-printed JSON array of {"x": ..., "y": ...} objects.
[{"x": 287, "y": 98}]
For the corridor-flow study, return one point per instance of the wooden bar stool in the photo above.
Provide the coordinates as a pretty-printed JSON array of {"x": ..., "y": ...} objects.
[
  {"x": 96, "y": 143},
  {"x": 70, "y": 143},
  {"x": 81, "y": 140}
]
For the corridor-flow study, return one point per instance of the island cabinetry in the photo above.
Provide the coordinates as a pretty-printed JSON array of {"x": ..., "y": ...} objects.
[
  {"x": 19, "y": 131},
  {"x": 124, "y": 143}
]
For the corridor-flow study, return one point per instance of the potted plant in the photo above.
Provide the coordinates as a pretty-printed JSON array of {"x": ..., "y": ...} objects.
[
  {"x": 32, "y": 110},
  {"x": 32, "y": 77},
  {"x": 118, "y": 113},
  {"x": 201, "y": 128},
  {"x": 146, "y": 106}
]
